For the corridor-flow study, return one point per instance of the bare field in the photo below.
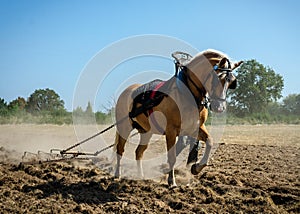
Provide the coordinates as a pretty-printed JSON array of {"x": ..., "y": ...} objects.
[
  {"x": 255, "y": 170},
  {"x": 279, "y": 135}
]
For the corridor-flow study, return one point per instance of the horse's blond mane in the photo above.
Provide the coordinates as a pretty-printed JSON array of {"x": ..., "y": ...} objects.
[
  {"x": 209, "y": 54},
  {"x": 212, "y": 53}
]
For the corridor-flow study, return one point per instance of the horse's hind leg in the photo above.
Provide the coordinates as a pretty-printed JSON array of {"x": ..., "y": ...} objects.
[
  {"x": 120, "y": 144},
  {"x": 124, "y": 124},
  {"x": 144, "y": 140},
  {"x": 171, "y": 148}
]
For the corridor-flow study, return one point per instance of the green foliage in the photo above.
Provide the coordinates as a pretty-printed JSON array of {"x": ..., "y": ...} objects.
[
  {"x": 44, "y": 100},
  {"x": 291, "y": 104},
  {"x": 18, "y": 103},
  {"x": 17, "y": 107},
  {"x": 101, "y": 117},
  {"x": 78, "y": 112},
  {"x": 42, "y": 106},
  {"x": 84, "y": 117},
  {"x": 89, "y": 109},
  {"x": 255, "y": 99},
  {"x": 60, "y": 116},
  {"x": 257, "y": 87},
  {"x": 3, "y": 107},
  {"x": 88, "y": 116},
  {"x": 45, "y": 106},
  {"x": 104, "y": 118},
  {"x": 274, "y": 113}
]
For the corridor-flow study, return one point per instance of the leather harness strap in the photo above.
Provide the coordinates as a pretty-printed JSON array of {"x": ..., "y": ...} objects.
[{"x": 152, "y": 116}]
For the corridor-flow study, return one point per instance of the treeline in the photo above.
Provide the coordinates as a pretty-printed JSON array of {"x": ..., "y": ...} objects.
[
  {"x": 25, "y": 111},
  {"x": 257, "y": 99},
  {"x": 44, "y": 106},
  {"x": 286, "y": 111}
]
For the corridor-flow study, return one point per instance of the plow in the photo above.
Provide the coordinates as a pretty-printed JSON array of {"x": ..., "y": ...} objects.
[{"x": 58, "y": 155}]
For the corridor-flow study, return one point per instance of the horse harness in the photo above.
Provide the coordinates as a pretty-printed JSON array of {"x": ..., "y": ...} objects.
[{"x": 151, "y": 94}]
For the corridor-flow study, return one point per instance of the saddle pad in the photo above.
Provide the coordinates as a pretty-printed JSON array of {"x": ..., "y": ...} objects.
[
  {"x": 144, "y": 92},
  {"x": 148, "y": 95}
]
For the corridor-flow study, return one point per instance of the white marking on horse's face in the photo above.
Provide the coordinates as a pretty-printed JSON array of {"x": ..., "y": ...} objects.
[{"x": 218, "y": 106}]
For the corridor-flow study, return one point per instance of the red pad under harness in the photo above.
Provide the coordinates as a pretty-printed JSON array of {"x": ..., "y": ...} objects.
[{"x": 151, "y": 116}]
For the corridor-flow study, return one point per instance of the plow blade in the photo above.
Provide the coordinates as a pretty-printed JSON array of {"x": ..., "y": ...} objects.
[{"x": 55, "y": 155}]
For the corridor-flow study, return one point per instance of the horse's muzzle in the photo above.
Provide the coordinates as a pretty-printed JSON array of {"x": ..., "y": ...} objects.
[{"x": 217, "y": 106}]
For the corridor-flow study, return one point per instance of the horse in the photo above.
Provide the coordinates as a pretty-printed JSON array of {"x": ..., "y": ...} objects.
[{"x": 176, "y": 107}]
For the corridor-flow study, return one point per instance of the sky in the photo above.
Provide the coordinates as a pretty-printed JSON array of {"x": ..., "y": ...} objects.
[{"x": 48, "y": 44}]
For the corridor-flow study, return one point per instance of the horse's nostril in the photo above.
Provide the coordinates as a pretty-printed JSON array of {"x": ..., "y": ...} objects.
[{"x": 217, "y": 107}]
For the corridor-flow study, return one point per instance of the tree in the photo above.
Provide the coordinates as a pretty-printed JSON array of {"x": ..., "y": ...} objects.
[
  {"x": 89, "y": 114},
  {"x": 257, "y": 87},
  {"x": 18, "y": 103},
  {"x": 3, "y": 107},
  {"x": 100, "y": 117},
  {"x": 44, "y": 100},
  {"x": 89, "y": 109},
  {"x": 291, "y": 104},
  {"x": 78, "y": 112}
]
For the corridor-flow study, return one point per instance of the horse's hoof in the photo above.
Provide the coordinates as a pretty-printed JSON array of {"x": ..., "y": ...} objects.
[
  {"x": 193, "y": 169},
  {"x": 172, "y": 185},
  {"x": 140, "y": 176},
  {"x": 196, "y": 168}
]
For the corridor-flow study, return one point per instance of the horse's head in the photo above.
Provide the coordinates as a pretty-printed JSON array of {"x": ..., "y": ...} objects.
[
  {"x": 211, "y": 72},
  {"x": 222, "y": 81}
]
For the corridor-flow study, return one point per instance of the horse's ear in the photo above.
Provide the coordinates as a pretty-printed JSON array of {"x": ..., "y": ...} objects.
[
  {"x": 223, "y": 62},
  {"x": 237, "y": 64}
]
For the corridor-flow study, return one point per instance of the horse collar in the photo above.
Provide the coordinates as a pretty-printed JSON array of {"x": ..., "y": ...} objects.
[{"x": 183, "y": 77}]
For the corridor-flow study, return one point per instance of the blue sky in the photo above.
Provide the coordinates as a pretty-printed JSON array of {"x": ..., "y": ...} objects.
[{"x": 46, "y": 44}]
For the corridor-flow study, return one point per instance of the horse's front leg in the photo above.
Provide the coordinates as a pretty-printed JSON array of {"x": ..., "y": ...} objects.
[
  {"x": 171, "y": 139},
  {"x": 144, "y": 140},
  {"x": 197, "y": 167}
]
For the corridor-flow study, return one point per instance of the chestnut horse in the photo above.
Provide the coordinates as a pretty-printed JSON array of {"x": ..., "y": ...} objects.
[{"x": 180, "y": 111}]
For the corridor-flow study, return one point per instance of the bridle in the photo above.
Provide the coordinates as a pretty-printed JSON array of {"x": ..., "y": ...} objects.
[
  {"x": 228, "y": 78},
  {"x": 207, "y": 99}
]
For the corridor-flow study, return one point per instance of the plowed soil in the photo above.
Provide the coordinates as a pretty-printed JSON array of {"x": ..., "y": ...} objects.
[{"x": 255, "y": 170}]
